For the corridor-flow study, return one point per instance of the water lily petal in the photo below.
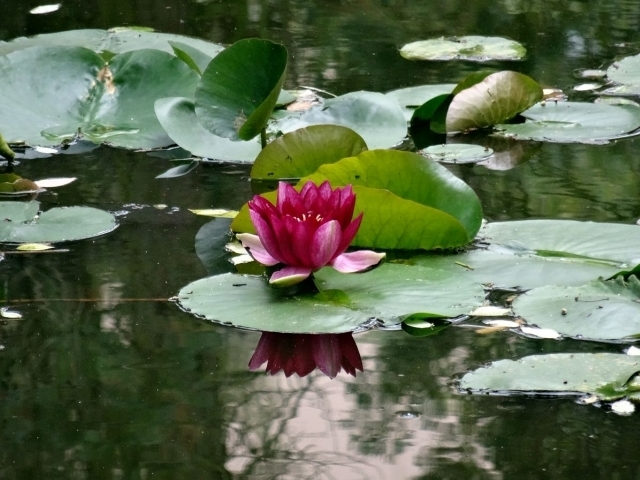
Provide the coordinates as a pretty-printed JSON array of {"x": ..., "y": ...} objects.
[
  {"x": 289, "y": 201},
  {"x": 325, "y": 243},
  {"x": 300, "y": 237},
  {"x": 289, "y": 276},
  {"x": 257, "y": 250},
  {"x": 268, "y": 235},
  {"x": 348, "y": 234},
  {"x": 356, "y": 261}
]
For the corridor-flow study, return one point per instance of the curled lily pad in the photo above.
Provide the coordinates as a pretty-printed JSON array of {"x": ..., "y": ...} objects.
[
  {"x": 600, "y": 310},
  {"x": 457, "y": 153},
  {"x": 240, "y": 88},
  {"x": 472, "y": 48},
  {"x": 81, "y": 94},
  {"x": 115, "y": 40},
  {"x": 177, "y": 116},
  {"x": 575, "y": 122},
  {"x": 302, "y": 151},
  {"x": 606, "y": 375},
  {"x": 23, "y": 224},
  {"x": 11, "y": 184},
  {"x": 497, "y": 98}
]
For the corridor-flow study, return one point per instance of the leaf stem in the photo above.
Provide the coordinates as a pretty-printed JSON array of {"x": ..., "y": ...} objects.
[{"x": 263, "y": 137}]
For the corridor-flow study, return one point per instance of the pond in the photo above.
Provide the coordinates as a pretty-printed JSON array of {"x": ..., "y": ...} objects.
[{"x": 104, "y": 378}]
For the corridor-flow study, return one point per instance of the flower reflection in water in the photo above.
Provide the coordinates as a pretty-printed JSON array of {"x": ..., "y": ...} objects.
[{"x": 301, "y": 353}]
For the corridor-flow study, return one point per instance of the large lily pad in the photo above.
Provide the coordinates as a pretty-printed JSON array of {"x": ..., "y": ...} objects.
[
  {"x": 345, "y": 302},
  {"x": 240, "y": 88},
  {"x": 22, "y": 224},
  {"x": 575, "y": 122},
  {"x": 606, "y": 375},
  {"x": 115, "y": 40},
  {"x": 80, "y": 93},
  {"x": 497, "y": 98},
  {"x": 600, "y": 310},
  {"x": 378, "y": 119},
  {"x": 473, "y": 48},
  {"x": 411, "y": 98},
  {"x": 178, "y": 117},
  {"x": 610, "y": 242},
  {"x": 301, "y": 152}
]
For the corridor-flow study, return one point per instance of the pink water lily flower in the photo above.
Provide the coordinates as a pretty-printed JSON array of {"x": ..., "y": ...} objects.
[
  {"x": 302, "y": 353},
  {"x": 306, "y": 231}
]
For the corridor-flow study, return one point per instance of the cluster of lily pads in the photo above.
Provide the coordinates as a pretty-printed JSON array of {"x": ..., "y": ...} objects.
[{"x": 145, "y": 90}]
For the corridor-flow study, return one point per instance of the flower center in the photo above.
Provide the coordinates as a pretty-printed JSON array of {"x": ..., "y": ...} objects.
[{"x": 305, "y": 216}]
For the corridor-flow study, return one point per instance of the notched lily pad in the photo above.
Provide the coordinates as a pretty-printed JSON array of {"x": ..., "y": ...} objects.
[
  {"x": 600, "y": 310},
  {"x": 608, "y": 376},
  {"x": 473, "y": 48},
  {"x": 21, "y": 223},
  {"x": 575, "y": 122}
]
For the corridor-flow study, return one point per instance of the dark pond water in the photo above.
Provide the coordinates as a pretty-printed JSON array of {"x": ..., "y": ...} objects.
[{"x": 106, "y": 379}]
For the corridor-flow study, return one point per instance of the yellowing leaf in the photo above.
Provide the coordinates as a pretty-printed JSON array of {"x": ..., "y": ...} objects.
[
  {"x": 215, "y": 212},
  {"x": 34, "y": 247}
]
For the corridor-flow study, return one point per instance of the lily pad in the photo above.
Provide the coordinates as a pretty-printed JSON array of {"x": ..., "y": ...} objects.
[
  {"x": 457, "y": 153},
  {"x": 344, "y": 302},
  {"x": 177, "y": 116},
  {"x": 240, "y": 88},
  {"x": 411, "y": 98},
  {"x": 575, "y": 122},
  {"x": 473, "y": 48},
  {"x": 625, "y": 71},
  {"x": 11, "y": 184},
  {"x": 378, "y": 119},
  {"x": 81, "y": 93},
  {"x": 497, "y": 98},
  {"x": 606, "y": 375},
  {"x": 600, "y": 310},
  {"x": 22, "y": 224},
  {"x": 608, "y": 242},
  {"x": 115, "y": 40},
  {"x": 301, "y": 152}
]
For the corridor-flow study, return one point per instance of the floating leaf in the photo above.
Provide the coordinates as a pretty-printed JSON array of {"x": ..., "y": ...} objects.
[
  {"x": 491, "y": 311},
  {"x": 419, "y": 327},
  {"x": 344, "y": 303},
  {"x": 472, "y": 48},
  {"x": 104, "y": 102},
  {"x": 625, "y": 71},
  {"x": 600, "y": 310},
  {"x": 55, "y": 182},
  {"x": 457, "y": 153},
  {"x": 177, "y": 116},
  {"x": 301, "y": 152},
  {"x": 22, "y": 224},
  {"x": 574, "y": 122},
  {"x": 411, "y": 98},
  {"x": 240, "y": 88},
  {"x": 603, "y": 374},
  {"x": 116, "y": 40},
  {"x": 9, "y": 314},
  {"x": 11, "y": 184},
  {"x": 43, "y": 9},
  {"x": 497, "y": 98},
  {"x": 378, "y": 119}
]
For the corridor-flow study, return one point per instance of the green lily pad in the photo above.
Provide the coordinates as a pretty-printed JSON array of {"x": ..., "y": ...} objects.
[
  {"x": 608, "y": 242},
  {"x": 472, "y": 48},
  {"x": 457, "y": 153},
  {"x": 178, "y": 117},
  {"x": 625, "y": 71},
  {"x": 194, "y": 58},
  {"x": 80, "y": 93},
  {"x": 22, "y": 224},
  {"x": 497, "y": 98},
  {"x": 378, "y": 119},
  {"x": 606, "y": 375},
  {"x": 411, "y": 98},
  {"x": 345, "y": 302},
  {"x": 621, "y": 90},
  {"x": 301, "y": 152},
  {"x": 115, "y": 40},
  {"x": 574, "y": 122},
  {"x": 240, "y": 88},
  {"x": 400, "y": 189},
  {"x": 600, "y": 310}
]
